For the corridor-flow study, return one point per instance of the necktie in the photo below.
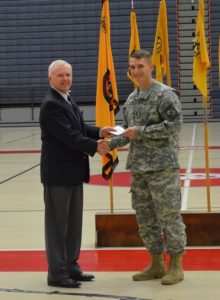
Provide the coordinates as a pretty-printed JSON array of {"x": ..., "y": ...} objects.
[{"x": 76, "y": 112}]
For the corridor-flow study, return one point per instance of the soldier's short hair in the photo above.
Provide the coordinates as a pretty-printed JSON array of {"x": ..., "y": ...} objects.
[{"x": 140, "y": 54}]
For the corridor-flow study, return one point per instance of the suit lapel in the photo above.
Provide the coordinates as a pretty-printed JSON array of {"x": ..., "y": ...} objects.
[
  {"x": 72, "y": 108},
  {"x": 77, "y": 114}
]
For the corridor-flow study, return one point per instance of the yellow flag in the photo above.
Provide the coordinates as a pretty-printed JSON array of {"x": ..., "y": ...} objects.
[
  {"x": 201, "y": 60},
  {"x": 107, "y": 103},
  {"x": 134, "y": 39},
  {"x": 160, "y": 57}
]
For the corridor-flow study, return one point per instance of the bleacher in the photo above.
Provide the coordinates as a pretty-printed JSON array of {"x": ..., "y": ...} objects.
[{"x": 33, "y": 33}]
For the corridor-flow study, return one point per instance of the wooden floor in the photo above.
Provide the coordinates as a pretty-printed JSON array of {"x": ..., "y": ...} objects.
[{"x": 22, "y": 212}]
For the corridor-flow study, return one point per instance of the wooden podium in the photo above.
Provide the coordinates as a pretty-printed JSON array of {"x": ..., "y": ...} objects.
[{"x": 121, "y": 229}]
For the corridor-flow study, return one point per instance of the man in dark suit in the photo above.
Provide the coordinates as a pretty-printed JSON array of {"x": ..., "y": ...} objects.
[{"x": 66, "y": 144}]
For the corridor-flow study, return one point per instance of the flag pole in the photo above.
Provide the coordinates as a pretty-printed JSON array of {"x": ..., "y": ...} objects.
[
  {"x": 200, "y": 65},
  {"x": 168, "y": 71},
  {"x": 206, "y": 156},
  {"x": 111, "y": 194},
  {"x": 132, "y": 5},
  {"x": 107, "y": 103},
  {"x": 110, "y": 181}
]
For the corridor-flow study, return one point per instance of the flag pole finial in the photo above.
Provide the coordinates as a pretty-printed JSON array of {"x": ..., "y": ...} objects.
[{"x": 132, "y": 4}]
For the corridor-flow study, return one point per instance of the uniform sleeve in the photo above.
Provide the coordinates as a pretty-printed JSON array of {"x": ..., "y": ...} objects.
[
  {"x": 169, "y": 110},
  {"x": 120, "y": 141}
]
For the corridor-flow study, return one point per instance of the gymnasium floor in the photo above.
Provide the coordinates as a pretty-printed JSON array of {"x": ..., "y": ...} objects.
[{"x": 22, "y": 262}]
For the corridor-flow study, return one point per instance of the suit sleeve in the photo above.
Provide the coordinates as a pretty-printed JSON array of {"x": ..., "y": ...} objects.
[
  {"x": 92, "y": 131},
  {"x": 62, "y": 127}
]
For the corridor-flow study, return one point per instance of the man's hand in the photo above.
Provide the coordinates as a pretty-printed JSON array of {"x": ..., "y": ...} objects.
[
  {"x": 103, "y": 147},
  {"x": 131, "y": 132},
  {"x": 105, "y": 132}
]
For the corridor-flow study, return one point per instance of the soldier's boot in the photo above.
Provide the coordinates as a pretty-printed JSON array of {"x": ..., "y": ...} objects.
[
  {"x": 175, "y": 270},
  {"x": 154, "y": 271}
]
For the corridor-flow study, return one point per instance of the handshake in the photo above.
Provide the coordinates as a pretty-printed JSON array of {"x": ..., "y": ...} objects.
[
  {"x": 103, "y": 147},
  {"x": 106, "y": 132}
]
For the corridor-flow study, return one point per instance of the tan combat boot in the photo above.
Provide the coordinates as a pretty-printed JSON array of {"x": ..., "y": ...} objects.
[
  {"x": 154, "y": 271},
  {"x": 175, "y": 271}
]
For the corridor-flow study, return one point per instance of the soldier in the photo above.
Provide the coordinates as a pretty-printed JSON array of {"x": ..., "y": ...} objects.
[{"x": 153, "y": 119}]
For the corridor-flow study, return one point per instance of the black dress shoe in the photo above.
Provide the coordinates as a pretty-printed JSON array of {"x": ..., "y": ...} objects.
[
  {"x": 66, "y": 283},
  {"x": 82, "y": 276}
]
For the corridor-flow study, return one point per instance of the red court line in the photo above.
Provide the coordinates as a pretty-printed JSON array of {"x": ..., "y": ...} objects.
[
  {"x": 124, "y": 178},
  {"x": 108, "y": 260},
  {"x": 120, "y": 149},
  {"x": 186, "y": 148},
  {"x": 20, "y": 151},
  {"x": 199, "y": 147}
]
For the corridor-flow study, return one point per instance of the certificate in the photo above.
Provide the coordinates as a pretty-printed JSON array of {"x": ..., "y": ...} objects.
[{"x": 118, "y": 130}]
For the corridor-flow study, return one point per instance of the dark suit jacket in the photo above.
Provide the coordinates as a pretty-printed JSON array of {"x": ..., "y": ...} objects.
[{"x": 66, "y": 142}]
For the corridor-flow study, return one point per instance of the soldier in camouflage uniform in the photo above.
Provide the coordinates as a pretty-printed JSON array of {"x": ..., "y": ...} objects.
[{"x": 152, "y": 116}]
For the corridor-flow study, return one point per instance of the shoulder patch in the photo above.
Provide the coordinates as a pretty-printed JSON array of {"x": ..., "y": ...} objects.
[{"x": 171, "y": 113}]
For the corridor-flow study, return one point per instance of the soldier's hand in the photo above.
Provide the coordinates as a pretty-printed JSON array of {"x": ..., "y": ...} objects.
[{"x": 131, "y": 132}]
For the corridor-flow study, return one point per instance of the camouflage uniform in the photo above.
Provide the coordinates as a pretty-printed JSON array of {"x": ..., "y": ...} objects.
[{"x": 153, "y": 161}]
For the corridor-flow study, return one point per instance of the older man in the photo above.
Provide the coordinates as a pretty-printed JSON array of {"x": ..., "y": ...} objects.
[{"x": 66, "y": 144}]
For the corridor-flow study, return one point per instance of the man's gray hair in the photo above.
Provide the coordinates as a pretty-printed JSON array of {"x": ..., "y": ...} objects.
[{"x": 55, "y": 63}]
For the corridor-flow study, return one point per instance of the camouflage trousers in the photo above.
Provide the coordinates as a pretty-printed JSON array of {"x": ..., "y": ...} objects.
[{"x": 156, "y": 199}]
